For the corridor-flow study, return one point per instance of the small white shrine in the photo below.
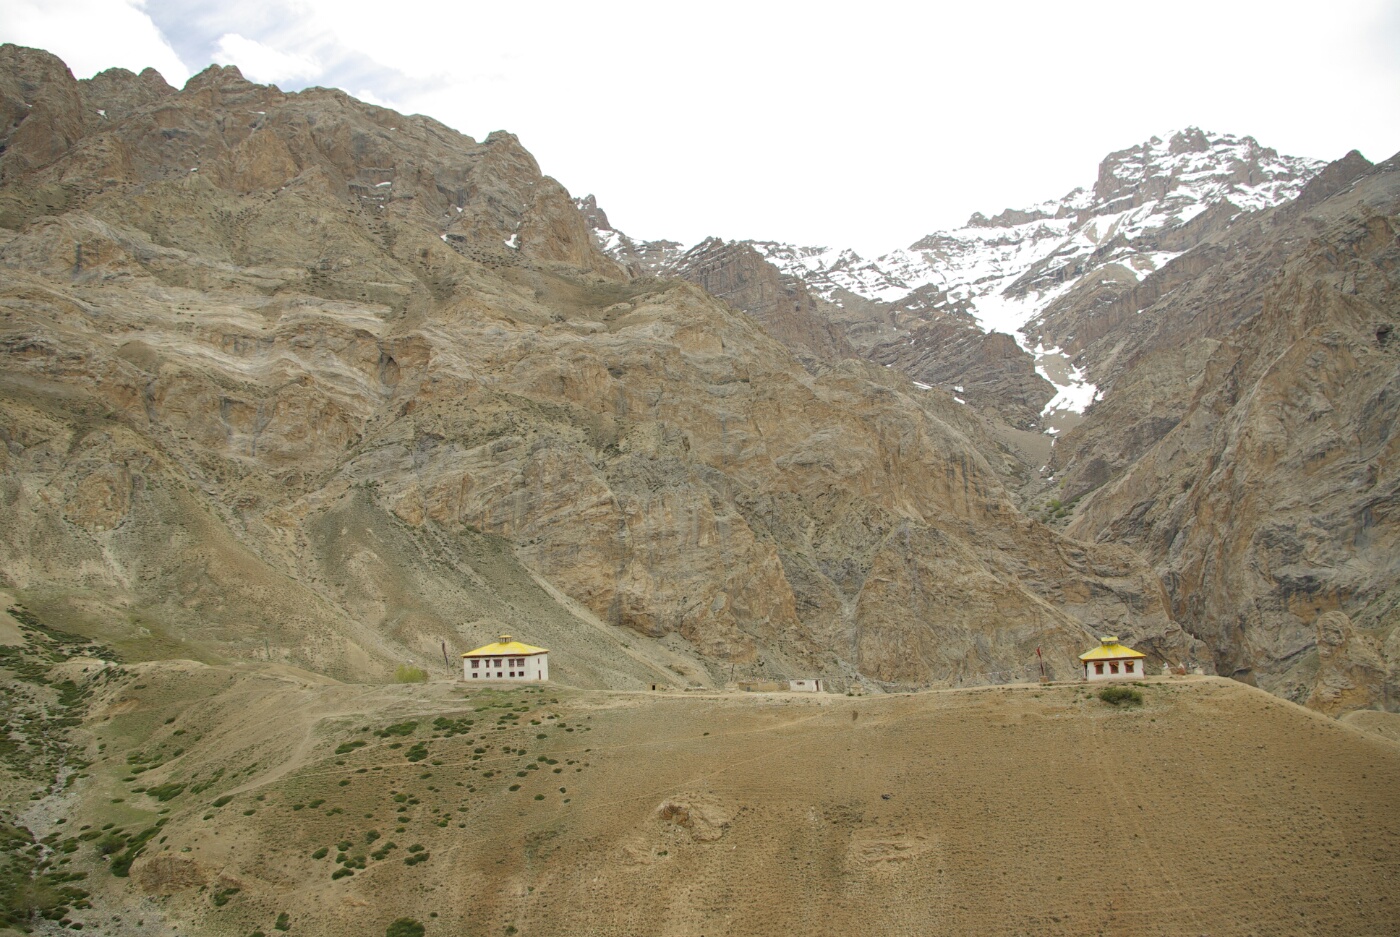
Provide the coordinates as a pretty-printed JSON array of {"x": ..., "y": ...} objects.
[
  {"x": 1113, "y": 661},
  {"x": 506, "y": 659}
]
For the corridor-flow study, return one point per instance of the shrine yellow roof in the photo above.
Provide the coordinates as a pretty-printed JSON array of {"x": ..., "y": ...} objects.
[
  {"x": 505, "y": 647},
  {"x": 1109, "y": 648}
]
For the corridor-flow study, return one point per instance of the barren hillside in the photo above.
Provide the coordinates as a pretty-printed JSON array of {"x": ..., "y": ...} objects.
[{"x": 1211, "y": 808}]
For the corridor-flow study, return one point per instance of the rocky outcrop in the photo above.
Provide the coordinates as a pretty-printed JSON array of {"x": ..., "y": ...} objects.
[{"x": 1351, "y": 670}]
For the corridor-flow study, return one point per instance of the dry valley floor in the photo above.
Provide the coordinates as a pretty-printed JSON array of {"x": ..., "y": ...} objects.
[{"x": 236, "y": 799}]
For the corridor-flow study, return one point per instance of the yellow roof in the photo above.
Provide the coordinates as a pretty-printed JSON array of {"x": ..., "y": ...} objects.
[
  {"x": 505, "y": 647},
  {"x": 1110, "y": 648}
]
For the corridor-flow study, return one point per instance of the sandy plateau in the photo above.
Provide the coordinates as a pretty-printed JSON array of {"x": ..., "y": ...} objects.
[{"x": 1211, "y": 808}]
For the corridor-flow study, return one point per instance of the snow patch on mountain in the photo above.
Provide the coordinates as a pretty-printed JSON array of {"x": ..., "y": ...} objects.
[{"x": 1007, "y": 269}]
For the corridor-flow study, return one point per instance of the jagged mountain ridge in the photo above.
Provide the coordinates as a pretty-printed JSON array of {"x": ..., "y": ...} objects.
[{"x": 1149, "y": 203}]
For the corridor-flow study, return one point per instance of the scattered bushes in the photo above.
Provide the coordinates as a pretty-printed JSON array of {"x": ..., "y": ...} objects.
[
  {"x": 398, "y": 728},
  {"x": 1120, "y": 696}
]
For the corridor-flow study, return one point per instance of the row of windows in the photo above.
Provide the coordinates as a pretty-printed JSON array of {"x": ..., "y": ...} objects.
[
  {"x": 1113, "y": 666},
  {"x": 514, "y": 662},
  {"x": 499, "y": 675}
]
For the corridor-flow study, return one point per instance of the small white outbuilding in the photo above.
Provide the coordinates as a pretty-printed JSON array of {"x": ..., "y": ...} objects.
[
  {"x": 1112, "y": 661},
  {"x": 507, "y": 659}
]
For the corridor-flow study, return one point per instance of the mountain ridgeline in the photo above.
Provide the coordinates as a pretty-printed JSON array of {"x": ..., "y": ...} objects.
[{"x": 292, "y": 377}]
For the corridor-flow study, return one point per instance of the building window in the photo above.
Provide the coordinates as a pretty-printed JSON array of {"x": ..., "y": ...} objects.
[
  {"x": 475, "y": 675},
  {"x": 476, "y": 664},
  {"x": 498, "y": 662},
  {"x": 1098, "y": 667},
  {"x": 1129, "y": 666},
  {"x": 1113, "y": 666}
]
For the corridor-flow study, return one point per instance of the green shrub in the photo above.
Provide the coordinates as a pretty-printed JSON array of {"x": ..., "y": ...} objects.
[
  {"x": 111, "y": 843},
  {"x": 407, "y": 673},
  {"x": 404, "y": 927},
  {"x": 398, "y": 728},
  {"x": 284, "y": 921},
  {"x": 1120, "y": 696}
]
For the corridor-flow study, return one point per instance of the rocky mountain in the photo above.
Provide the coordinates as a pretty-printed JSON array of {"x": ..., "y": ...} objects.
[
  {"x": 1161, "y": 293},
  {"x": 294, "y": 377},
  {"x": 941, "y": 309},
  {"x": 1245, "y": 441}
]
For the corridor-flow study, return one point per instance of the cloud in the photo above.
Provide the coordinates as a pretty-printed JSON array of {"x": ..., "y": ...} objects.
[
  {"x": 93, "y": 35},
  {"x": 262, "y": 63}
]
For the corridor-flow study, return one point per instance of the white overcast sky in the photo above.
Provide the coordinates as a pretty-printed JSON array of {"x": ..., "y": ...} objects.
[{"x": 857, "y": 124}]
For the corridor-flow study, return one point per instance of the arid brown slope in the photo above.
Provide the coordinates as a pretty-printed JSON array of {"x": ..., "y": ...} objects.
[
  {"x": 290, "y": 376},
  {"x": 1247, "y": 443},
  {"x": 1211, "y": 808}
]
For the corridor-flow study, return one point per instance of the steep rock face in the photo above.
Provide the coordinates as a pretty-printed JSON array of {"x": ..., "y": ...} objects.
[
  {"x": 737, "y": 274},
  {"x": 41, "y": 109},
  {"x": 937, "y": 342},
  {"x": 1248, "y": 448},
  {"x": 294, "y": 376}
]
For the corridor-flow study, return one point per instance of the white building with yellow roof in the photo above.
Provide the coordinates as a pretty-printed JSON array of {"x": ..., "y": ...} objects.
[
  {"x": 507, "y": 660},
  {"x": 1113, "y": 661}
]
